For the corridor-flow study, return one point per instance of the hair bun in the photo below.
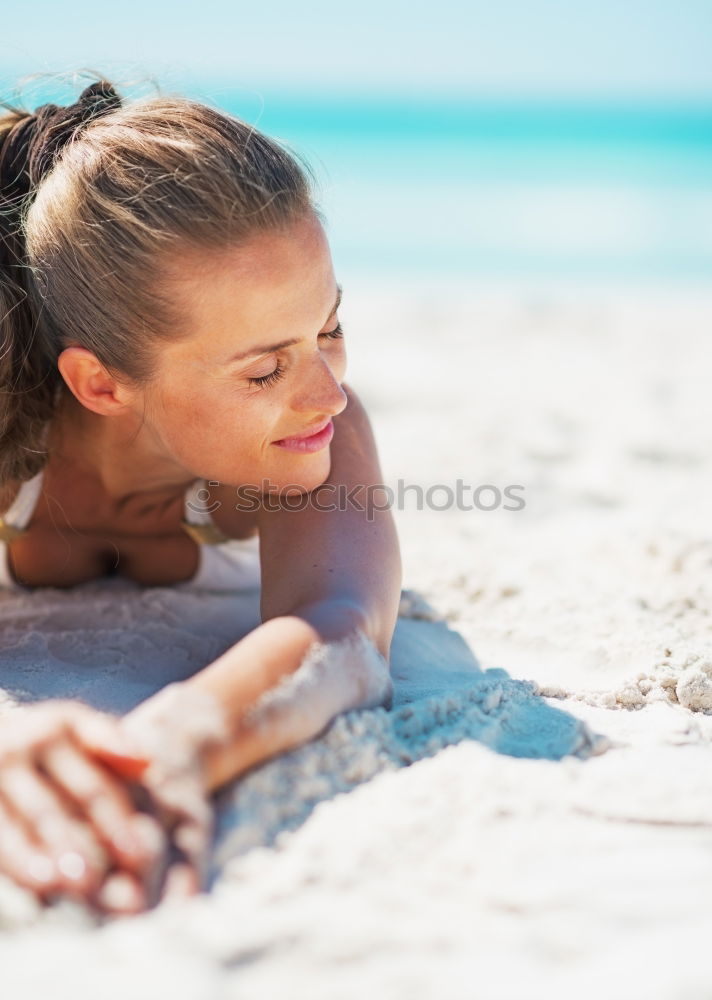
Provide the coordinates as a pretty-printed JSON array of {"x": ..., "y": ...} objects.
[
  {"x": 100, "y": 97},
  {"x": 58, "y": 126},
  {"x": 32, "y": 146}
]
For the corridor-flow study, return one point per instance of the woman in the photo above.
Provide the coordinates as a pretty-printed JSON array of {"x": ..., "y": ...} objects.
[{"x": 171, "y": 353}]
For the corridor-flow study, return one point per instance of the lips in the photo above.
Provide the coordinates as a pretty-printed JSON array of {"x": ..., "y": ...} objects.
[
  {"x": 305, "y": 434},
  {"x": 309, "y": 441}
]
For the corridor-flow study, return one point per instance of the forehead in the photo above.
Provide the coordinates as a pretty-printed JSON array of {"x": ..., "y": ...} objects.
[{"x": 271, "y": 281}]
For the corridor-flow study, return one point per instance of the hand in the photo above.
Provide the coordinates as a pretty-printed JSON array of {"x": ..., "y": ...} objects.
[
  {"x": 66, "y": 822},
  {"x": 173, "y": 729}
]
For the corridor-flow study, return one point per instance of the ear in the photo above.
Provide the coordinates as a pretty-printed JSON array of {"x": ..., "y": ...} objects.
[{"x": 92, "y": 384}]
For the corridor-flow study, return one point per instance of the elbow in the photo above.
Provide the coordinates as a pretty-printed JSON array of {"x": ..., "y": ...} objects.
[
  {"x": 372, "y": 685},
  {"x": 360, "y": 647},
  {"x": 342, "y": 616},
  {"x": 372, "y": 637},
  {"x": 382, "y": 619}
]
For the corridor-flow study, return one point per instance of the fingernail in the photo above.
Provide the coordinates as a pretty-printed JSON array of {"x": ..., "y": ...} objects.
[
  {"x": 190, "y": 840},
  {"x": 127, "y": 841},
  {"x": 119, "y": 893},
  {"x": 72, "y": 865},
  {"x": 148, "y": 833},
  {"x": 41, "y": 868},
  {"x": 130, "y": 766},
  {"x": 181, "y": 883}
]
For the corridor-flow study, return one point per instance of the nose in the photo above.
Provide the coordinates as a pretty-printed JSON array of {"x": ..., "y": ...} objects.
[{"x": 320, "y": 391}]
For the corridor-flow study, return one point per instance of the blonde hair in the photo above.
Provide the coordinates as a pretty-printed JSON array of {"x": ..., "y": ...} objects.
[{"x": 94, "y": 198}]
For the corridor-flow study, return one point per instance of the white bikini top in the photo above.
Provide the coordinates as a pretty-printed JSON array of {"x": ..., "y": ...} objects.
[{"x": 196, "y": 521}]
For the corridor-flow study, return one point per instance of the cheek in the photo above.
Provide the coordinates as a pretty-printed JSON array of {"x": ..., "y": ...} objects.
[
  {"x": 190, "y": 417},
  {"x": 236, "y": 425}
]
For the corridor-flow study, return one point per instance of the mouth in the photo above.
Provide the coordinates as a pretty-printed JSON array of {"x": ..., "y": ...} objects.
[{"x": 311, "y": 440}]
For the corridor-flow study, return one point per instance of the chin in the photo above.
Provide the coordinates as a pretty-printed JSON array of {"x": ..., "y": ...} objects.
[{"x": 306, "y": 475}]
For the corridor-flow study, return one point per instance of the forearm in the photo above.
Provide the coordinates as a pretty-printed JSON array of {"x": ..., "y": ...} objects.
[
  {"x": 286, "y": 681},
  {"x": 341, "y": 545}
]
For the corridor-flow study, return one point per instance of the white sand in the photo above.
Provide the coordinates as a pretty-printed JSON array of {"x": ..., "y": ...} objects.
[{"x": 493, "y": 841}]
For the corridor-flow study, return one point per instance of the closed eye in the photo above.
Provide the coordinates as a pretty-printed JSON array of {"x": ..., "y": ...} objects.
[
  {"x": 335, "y": 334},
  {"x": 264, "y": 380}
]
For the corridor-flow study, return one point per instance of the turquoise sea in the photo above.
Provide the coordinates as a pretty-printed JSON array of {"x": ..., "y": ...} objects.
[
  {"x": 505, "y": 188},
  {"x": 451, "y": 186}
]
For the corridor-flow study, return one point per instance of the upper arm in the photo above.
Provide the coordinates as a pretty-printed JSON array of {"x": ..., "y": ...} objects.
[{"x": 342, "y": 544}]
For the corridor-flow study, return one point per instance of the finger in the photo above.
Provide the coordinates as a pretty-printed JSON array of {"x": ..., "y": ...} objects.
[
  {"x": 78, "y": 855},
  {"x": 106, "y": 803},
  {"x": 181, "y": 799},
  {"x": 186, "y": 814},
  {"x": 103, "y": 736},
  {"x": 34, "y": 727},
  {"x": 193, "y": 841},
  {"x": 21, "y": 860},
  {"x": 183, "y": 809},
  {"x": 181, "y": 883},
  {"x": 121, "y": 893},
  {"x": 177, "y": 876}
]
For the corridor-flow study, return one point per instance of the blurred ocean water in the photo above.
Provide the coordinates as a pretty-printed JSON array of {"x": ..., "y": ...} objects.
[{"x": 505, "y": 189}]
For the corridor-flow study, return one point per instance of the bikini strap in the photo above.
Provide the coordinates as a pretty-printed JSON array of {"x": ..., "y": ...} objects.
[
  {"x": 197, "y": 521},
  {"x": 15, "y": 520}
]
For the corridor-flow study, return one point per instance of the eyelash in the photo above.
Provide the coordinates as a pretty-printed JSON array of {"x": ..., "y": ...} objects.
[{"x": 276, "y": 375}]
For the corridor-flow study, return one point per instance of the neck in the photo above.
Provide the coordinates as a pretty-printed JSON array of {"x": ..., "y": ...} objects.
[{"x": 121, "y": 452}]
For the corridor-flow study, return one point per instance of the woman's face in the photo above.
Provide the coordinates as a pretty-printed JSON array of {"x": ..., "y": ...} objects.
[{"x": 263, "y": 361}]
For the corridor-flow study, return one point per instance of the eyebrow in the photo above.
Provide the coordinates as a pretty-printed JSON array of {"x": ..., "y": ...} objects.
[{"x": 269, "y": 348}]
